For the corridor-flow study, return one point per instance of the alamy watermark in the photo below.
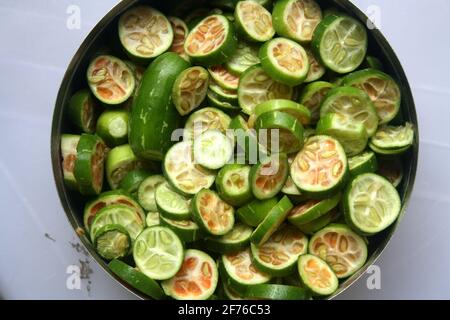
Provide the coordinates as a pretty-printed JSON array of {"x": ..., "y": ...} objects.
[{"x": 73, "y": 21}]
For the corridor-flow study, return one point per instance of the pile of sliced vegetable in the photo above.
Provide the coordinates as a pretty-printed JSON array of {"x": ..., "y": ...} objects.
[{"x": 190, "y": 211}]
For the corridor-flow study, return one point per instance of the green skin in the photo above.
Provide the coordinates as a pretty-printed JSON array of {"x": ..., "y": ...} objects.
[
  {"x": 357, "y": 78},
  {"x": 132, "y": 181},
  {"x": 236, "y": 65},
  {"x": 80, "y": 103},
  {"x": 255, "y": 212},
  {"x": 312, "y": 288},
  {"x": 219, "y": 55},
  {"x": 186, "y": 235},
  {"x": 153, "y": 116},
  {"x": 216, "y": 244},
  {"x": 372, "y": 63},
  {"x": 388, "y": 152},
  {"x": 299, "y": 111},
  {"x": 318, "y": 37},
  {"x": 105, "y": 123},
  {"x": 218, "y": 102},
  {"x": 275, "y": 71},
  {"x": 229, "y": 96},
  {"x": 369, "y": 166},
  {"x": 163, "y": 207},
  {"x": 281, "y": 160},
  {"x": 318, "y": 224},
  {"x": 136, "y": 279},
  {"x": 271, "y": 222},
  {"x": 315, "y": 212},
  {"x": 240, "y": 198},
  {"x": 282, "y": 121},
  {"x": 83, "y": 165},
  {"x": 195, "y": 203},
  {"x": 103, "y": 231},
  {"x": 277, "y": 292},
  {"x": 120, "y": 158},
  {"x": 109, "y": 198}
]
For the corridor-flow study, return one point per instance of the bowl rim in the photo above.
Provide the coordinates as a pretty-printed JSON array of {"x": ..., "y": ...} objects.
[{"x": 106, "y": 21}]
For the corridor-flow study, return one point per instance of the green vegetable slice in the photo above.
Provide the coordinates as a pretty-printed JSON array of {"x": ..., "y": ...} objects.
[
  {"x": 268, "y": 177},
  {"x": 296, "y": 19},
  {"x": 298, "y": 111},
  {"x": 81, "y": 111},
  {"x": 158, "y": 253},
  {"x": 180, "y": 33},
  {"x": 341, "y": 248},
  {"x": 365, "y": 162},
  {"x": 371, "y": 204},
  {"x": 152, "y": 219},
  {"x": 89, "y": 164},
  {"x": 189, "y": 89},
  {"x": 230, "y": 293},
  {"x": 235, "y": 240},
  {"x": 183, "y": 173},
  {"x": 196, "y": 280},
  {"x": 223, "y": 95},
  {"x": 382, "y": 90},
  {"x": 390, "y": 137},
  {"x": 187, "y": 230},
  {"x": 372, "y": 62},
  {"x": 279, "y": 255},
  {"x": 341, "y": 43},
  {"x": 233, "y": 184},
  {"x": 217, "y": 101},
  {"x": 69, "y": 143},
  {"x": 312, "y": 227},
  {"x": 110, "y": 80},
  {"x": 136, "y": 279},
  {"x": 239, "y": 272},
  {"x": 317, "y": 275},
  {"x": 388, "y": 152},
  {"x": 285, "y": 61},
  {"x": 145, "y": 33},
  {"x": 351, "y": 135},
  {"x": 245, "y": 56},
  {"x": 312, "y": 210},
  {"x": 212, "y": 149},
  {"x": 112, "y": 241},
  {"x": 316, "y": 69},
  {"x": 279, "y": 132},
  {"x": 120, "y": 161},
  {"x": 203, "y": 120},
  {"x": 131, "y": 182},
  {"x": 110, "y": 198},
  {"x": 211, "y": 42},
  {"x": 171, "y": 204},
  {"x": 212, "y": 214},
  {"x": 277, "y": 292},
  {"x": 254, "y": 212},
  {"x": 352, "y": 104},
  {"x": 392, "y": 169},
  {"x": 271, "y": 222},
  {"x": 320, "y": 168},
  {"x": 146, "y": 191},
  {"x": 312, "y": 97},
  {"x": 224, "y": 78},
  {"x": 112, "y": 127},
  {"x": 256, "y": 87},
  {"x": 117, "y": 214},
  {"x": 253, "y": 21}
]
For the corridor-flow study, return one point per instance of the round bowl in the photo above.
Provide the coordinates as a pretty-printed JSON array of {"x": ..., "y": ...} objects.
[{"x": 104, "y": 35}]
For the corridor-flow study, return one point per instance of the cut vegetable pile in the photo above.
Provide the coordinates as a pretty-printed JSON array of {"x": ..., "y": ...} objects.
[{"x": 231, "y": 151}]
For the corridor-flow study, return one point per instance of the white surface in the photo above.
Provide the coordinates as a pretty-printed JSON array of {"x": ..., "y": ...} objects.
[{"x": 36, "y": 49}]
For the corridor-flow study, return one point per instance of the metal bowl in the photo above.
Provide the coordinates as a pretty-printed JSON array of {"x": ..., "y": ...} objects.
[{"x": 104, "y": 35}]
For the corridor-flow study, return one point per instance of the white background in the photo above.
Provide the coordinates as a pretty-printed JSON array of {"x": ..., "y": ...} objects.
[{"x": 37, "y": 47}]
